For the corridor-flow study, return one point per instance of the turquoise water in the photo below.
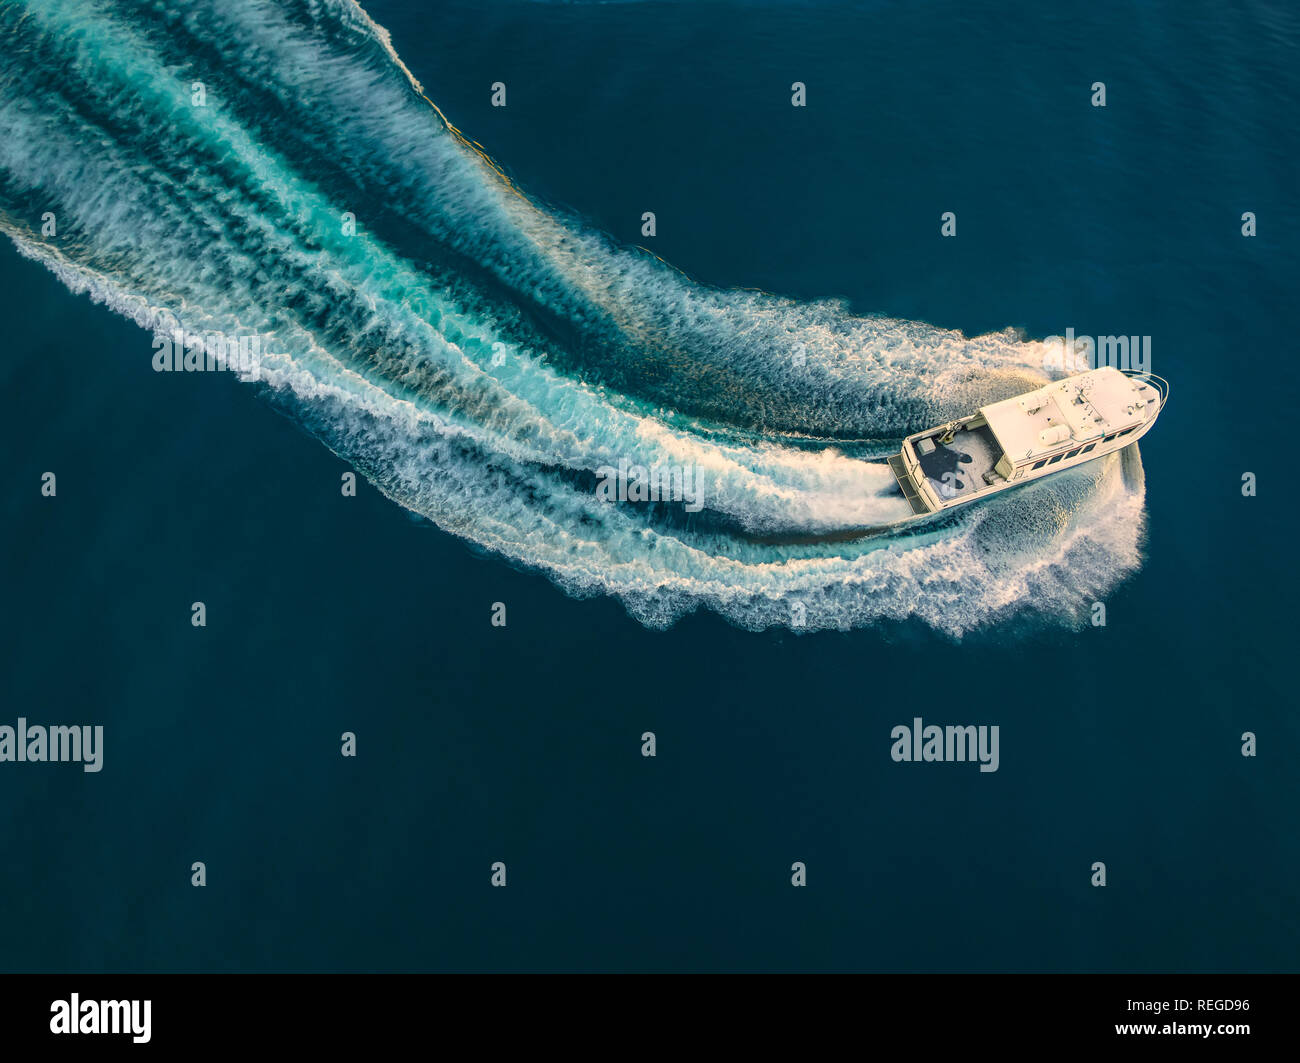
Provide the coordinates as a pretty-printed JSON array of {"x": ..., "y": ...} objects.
[{"x": 477, "y": 354}]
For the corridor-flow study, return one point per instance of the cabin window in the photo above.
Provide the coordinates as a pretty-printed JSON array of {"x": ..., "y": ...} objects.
[
  {"x": 1108, "y": 438},
  {"x": 1089, "y": 447},
  {"x": 1127, "y": 431},
  {"x": 1056, "y": 459},
  {"x": 1072, "y": 453},
  {"x": 1040, "y": 464}
]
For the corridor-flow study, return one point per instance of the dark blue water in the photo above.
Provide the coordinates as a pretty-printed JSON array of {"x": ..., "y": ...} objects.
[{"x": 522, "y": 744}]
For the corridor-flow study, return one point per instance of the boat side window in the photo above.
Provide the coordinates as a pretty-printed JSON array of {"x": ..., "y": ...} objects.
[
  {"x": 1040, "y": 464},
  {"x": 1109, "y": 438},
  {"x": 1056, "y": 459},
  {"x": 1089, "y": 447},
  {"x": 1072, "y": 453},
  {"x": 1127, "y": 430}
]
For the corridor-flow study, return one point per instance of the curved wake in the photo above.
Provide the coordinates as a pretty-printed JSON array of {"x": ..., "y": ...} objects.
[{"x": 481, "y": 360}]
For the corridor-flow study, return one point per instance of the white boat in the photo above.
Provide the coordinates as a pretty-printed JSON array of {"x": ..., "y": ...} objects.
[{"x": 1008, "y": 443}]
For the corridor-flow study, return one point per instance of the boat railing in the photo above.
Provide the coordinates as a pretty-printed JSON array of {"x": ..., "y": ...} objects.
[
  {"x": 1158, "y": 382},
  {"x": 913, "y": 466}
]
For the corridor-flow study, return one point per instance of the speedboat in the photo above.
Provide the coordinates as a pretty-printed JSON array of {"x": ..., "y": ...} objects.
[{"x": 1056, "y": 427}]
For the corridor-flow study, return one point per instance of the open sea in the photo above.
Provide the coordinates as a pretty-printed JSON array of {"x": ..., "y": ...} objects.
[{"x": 433, "y": 222}]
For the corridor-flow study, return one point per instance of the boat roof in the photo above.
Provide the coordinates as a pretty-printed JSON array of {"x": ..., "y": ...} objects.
[{"x": 1089, "y": 405}]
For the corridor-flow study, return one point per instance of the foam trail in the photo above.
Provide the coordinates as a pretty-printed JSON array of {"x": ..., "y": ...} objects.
[{"x": 481, "y": 359}]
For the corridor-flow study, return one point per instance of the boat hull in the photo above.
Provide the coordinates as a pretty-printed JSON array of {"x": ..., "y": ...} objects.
[{"x": 967, "y": 460}]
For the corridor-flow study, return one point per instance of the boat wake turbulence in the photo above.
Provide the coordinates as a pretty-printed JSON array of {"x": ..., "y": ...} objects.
[{"x": 271, "y": 169}]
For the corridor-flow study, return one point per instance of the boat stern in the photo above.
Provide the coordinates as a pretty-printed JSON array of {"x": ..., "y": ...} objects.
[{"x": 910, "y": 481}]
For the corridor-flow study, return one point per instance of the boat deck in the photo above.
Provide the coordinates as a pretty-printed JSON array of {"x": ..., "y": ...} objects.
[{"x": 958, "y": 469}]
